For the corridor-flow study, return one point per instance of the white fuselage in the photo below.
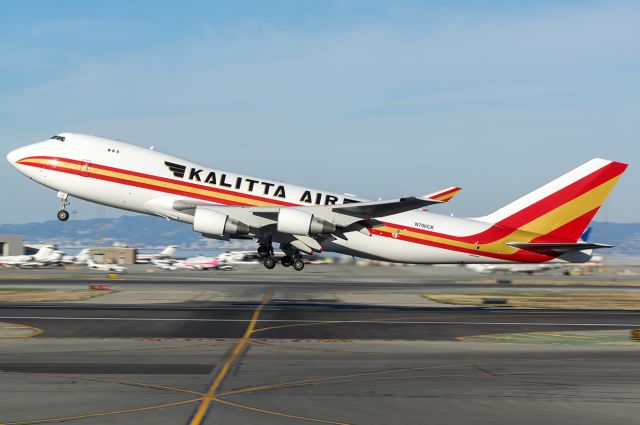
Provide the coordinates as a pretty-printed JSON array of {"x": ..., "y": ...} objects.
[{"x": 134, "y": 178}]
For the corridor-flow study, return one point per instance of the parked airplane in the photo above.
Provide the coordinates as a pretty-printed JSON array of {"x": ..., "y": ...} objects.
[
  {"x": 199, "y": 262},
  {"x": 81, "y": 258},
  {"x": 515, "y": 268},
  {"x": 106, "y": 267},
  {"x": 239, "y": 257},
  {"x": 46, "y": 255},
  {"x": 168, "y": 252},
  {"x": 541, "y": 226}
]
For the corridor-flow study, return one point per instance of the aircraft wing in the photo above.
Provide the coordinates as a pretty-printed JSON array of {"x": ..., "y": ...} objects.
[
  {"x": 384, "y": 208},
  {"x": 342, "y": 215},
  {"x": 341, "y": 218}
]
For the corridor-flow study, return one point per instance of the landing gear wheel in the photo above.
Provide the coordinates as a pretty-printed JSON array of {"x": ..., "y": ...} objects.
[
  {"x": 63, "y": 215},
  {"x": 269, "y": 262},
  {"x": 286, "y": 261},
  {"x": 264, "y": 251},
  {"x": 298, "y": 264}
]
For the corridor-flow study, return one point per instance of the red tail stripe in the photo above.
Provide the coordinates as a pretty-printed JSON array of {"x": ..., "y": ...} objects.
[
  {"x": 564, "y": 195},
  {"x": 535, "y": 210}
]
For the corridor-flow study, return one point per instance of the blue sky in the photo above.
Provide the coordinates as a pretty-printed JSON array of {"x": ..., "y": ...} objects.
[{"x": 380, "y": 99}]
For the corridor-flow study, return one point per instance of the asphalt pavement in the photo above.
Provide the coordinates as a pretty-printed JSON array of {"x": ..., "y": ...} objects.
[{"x": 257, "y": 352}]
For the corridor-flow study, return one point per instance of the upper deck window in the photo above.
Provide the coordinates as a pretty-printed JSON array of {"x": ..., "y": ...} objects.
[{"x": 56, "y": 137}]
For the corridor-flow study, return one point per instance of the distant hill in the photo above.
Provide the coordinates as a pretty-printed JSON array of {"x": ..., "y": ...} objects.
[
  {"x": 152, "y": 232},
  {"x": 135, "y": 230},
  {"x": 625, "y": 237}
]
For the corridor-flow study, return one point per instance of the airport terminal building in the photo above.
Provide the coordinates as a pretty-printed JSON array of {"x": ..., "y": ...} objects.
[{"x": 11, "y": 245}]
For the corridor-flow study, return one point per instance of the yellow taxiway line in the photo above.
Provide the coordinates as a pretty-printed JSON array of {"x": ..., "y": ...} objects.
[{"x": 239, "y": 348}]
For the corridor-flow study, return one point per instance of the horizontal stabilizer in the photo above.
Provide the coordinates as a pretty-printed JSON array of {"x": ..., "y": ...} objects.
[{"x": 555, "y": 248}]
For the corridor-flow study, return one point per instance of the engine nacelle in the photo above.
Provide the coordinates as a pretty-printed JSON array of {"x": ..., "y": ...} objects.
[
  {"x": 212, "y": 222},
  {"x": 298, "y": 222}
]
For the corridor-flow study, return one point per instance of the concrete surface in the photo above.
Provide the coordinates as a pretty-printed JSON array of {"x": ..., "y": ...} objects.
[{"x": 345, "y": 347}]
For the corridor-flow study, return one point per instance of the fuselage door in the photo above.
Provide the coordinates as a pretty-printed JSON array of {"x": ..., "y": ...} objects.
[{"x": 85, "y": 167}]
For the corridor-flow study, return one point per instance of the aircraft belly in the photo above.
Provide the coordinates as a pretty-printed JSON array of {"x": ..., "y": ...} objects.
[{"x": 396, "y": 250}]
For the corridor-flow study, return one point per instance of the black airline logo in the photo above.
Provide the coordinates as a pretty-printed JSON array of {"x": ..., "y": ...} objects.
[{"x": 251, "y": 185}]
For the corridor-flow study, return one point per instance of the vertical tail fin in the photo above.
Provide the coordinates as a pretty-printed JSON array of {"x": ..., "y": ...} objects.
[
  {"x": 169, "y": 251},
  {"x": 44, "y": 253},
  {"x": 562, "y": 209}
]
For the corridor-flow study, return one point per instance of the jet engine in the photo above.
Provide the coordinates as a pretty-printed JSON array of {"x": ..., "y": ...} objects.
[
  {"x": 212, "y": 222},
  {"x": 298, "y": 222}
]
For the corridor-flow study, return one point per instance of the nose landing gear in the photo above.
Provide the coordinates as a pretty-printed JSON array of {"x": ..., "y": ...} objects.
[{"x": 63, "y": 214}]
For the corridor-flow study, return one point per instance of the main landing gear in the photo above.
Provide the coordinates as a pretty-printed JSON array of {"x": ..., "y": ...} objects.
[
  {"x": 292, "y": 257},
  {"x": 265, "y": 250},
  {"x": 63, "y": 214},
  {"x": 296, "y": 262}
]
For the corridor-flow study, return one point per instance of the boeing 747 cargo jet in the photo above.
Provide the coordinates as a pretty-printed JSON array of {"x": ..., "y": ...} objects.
[{"x": 543, "y": 226}]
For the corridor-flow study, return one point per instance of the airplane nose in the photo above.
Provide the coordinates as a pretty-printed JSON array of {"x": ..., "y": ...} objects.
[{"x": 13, "y": 156}]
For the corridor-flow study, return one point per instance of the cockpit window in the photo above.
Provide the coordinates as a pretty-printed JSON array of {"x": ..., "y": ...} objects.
[{"x": 56, "y": 137}]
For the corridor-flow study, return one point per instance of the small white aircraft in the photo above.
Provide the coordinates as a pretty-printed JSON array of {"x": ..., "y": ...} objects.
[
  {"x": 543, "y": 225},
  {"x": 199, "y": 262},
  {"x": 239, "y": 257},
  {"x": 81, "y": 258},
  {"x": 46, "y": 255},
  {"x": 106, "y": 267},
  {"x": 515, "y": 268},
  {"x": 166, "y": 253}
]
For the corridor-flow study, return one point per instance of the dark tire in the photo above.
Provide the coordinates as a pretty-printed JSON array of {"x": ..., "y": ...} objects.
[
  {"x": 63, "y": 215},
  {"x": 263, "y": 251},
  {"x": 286, "y": 261},
  {"x": 298, "y": 264},
  {"x": 269, "y": 262}
]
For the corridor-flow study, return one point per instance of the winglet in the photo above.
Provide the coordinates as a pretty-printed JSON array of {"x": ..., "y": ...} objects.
[{"x": 444, "y": 195}]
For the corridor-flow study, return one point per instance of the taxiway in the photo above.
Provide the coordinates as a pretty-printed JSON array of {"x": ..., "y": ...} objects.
[{"x": 259, "y": 352}]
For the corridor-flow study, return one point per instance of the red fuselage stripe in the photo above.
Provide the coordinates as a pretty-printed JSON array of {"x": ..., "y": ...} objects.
[{"x": 25, "y": 161}]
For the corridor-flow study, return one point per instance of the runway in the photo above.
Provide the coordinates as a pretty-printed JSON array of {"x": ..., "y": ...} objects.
[
  {"x": 286, "y": 320},
  {"x": 291, "y": 354}
]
